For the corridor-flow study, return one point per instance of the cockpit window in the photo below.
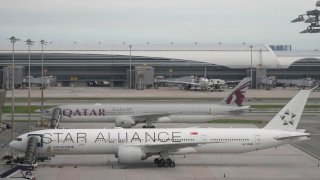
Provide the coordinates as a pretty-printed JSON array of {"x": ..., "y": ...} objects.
[{"x": 19, "y": 139}]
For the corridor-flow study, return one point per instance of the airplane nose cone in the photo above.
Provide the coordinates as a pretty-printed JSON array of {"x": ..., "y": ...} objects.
[
  {"x": 37, "y": 111},
  {"x": 13, "y": 144}
]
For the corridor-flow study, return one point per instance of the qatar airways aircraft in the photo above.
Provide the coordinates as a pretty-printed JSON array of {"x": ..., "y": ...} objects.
[
  {"x": 135, "y": 145},
  {"x": 128, "y": 115}
]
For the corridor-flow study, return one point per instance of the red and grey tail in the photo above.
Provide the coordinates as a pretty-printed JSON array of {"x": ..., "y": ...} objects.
[{"x": 237, "y": 96}]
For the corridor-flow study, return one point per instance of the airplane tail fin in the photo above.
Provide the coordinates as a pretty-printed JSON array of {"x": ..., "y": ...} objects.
[
  {"x": 237, "y": 95},
  {"x": 288, "y": 118}
]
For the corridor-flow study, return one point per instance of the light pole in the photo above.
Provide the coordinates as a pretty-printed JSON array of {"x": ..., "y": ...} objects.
[
  {"x": 130, "y": 47},
  {"x": 43, "y": 42},
  {"x": 13, "y": 41},
  {"x": 205, "y": 71},
  {"x": 29, "y": 43},
  {"x": 251, "y": 66}
]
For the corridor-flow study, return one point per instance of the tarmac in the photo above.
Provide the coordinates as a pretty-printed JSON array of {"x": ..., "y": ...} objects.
[{"x": 286, "y": 162}]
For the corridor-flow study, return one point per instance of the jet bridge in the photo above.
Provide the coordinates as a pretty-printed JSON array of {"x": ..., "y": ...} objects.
[{"x": 56, "y": 116}]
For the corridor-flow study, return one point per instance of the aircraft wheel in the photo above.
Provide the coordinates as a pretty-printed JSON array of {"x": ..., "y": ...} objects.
[
  {"x": 167, "y": 163},
  {"x": 148, "y": 126},
  {"x": 161, "y": 163},
  {"x": 156, "y": 160},
  {"x": 172, "y": 164}
]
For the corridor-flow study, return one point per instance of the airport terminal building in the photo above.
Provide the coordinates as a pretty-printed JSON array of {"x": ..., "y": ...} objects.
[{"x": 229, "y": 62}]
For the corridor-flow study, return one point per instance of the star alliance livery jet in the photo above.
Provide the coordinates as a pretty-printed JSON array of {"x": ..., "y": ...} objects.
[
  {"x": 128, "y": 115},
  {"x": 134, "y": 145}
]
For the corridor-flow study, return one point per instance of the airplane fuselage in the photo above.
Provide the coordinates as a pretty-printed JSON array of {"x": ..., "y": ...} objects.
[
  {"x": 160, "y": 112},
  {"x": 195, "y": 140}
]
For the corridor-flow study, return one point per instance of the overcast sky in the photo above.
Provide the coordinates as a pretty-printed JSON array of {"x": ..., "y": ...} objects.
[{"x": 157, "y": 21}]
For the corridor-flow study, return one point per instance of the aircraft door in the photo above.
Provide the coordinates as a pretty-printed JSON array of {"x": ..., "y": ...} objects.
[
  {"x": 40, "y": 139},
  {"x": 257, "y": 141}
]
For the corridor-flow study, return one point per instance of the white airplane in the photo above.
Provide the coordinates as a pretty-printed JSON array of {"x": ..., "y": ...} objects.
[
  {"x": 203, "y": 83},
  {"x": 134, "y": 145},
  {"x": 128, "y": 115}
]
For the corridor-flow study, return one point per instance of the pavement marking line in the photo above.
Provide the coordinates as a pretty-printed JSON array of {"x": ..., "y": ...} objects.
[{"x": 305, "y": 151}]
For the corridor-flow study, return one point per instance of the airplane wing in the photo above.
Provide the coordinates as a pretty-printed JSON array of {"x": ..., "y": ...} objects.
[
  {"x": 171, "y": 147},
  {"x": 150, "y": 117},
  {"x": 127, "y": 121}
]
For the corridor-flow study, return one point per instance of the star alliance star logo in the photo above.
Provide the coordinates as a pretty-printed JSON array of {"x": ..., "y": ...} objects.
[{"x": 288, "y": 118}]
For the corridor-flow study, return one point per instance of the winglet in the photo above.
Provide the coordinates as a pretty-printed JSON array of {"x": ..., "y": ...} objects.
[
  {"x": 288, "y": 118},
  {"x": 236, "y": 97}
]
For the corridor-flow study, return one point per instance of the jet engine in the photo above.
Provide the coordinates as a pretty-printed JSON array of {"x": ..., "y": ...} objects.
[
  {"x": 125, "y": 122},
  {"x": 129, "y": 155}
]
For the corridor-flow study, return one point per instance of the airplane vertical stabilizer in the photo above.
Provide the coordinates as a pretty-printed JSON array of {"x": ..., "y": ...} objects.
[
  {"x": 288, "y": 118},
  {"x": 236, "y": 97}
]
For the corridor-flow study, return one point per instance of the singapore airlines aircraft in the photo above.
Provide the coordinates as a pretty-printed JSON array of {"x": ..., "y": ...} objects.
[
  {"x": 128, "y": 115},
  {"x": 135, "y": 145}
]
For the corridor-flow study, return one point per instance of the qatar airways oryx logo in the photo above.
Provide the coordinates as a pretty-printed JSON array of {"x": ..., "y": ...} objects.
[
  {"x": 287, "y": 117},
  {"x": 238, "y": 95},
  {"x": 83, "y": 112}
]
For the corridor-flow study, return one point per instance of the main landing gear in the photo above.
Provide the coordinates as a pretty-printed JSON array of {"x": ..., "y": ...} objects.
[
  {"x": 164, "y": 160},
  {"x": 160, "y": 162},
  {"x": 148, "y": 126}
]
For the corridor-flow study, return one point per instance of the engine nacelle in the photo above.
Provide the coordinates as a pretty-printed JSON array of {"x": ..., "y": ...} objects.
[
  {"x": 129, "y": 155},
  {"x": 125, "y": 122}
]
